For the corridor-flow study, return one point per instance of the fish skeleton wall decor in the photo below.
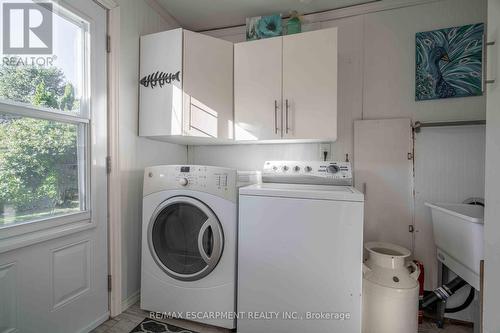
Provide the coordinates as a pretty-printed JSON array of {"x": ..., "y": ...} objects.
[{"x": 159, "y": 78}]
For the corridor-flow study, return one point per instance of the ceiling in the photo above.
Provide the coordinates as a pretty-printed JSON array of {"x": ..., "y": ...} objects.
[{"x": 211, "y": 14}]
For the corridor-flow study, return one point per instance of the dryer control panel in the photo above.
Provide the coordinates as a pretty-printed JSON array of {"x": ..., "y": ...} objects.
[
  {"x": 308, "y": 172},
  {"x": 214, "y": 180}
]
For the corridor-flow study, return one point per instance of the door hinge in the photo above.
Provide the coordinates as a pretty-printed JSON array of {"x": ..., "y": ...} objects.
[
  {"x": 109, "y": 283},
  {"x": 410, "y": 156},
  {"x": 108, "y": 164},
  {"x": 411, "y": 228},
  {"x": 108, "y": 43}
]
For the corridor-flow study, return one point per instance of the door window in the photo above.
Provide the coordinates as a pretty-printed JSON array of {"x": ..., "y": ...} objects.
[{"x": 44, "y": 112}]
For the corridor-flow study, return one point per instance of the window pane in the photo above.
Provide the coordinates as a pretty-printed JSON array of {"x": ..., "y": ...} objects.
[
  {"x": 41, "y": 169},
  {"x": 53, "y": 79}
]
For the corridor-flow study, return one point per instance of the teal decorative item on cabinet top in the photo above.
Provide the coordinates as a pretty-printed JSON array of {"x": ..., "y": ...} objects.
[
  {"x": 263, "y": 27},
  {"x": 294, "y": 25}
]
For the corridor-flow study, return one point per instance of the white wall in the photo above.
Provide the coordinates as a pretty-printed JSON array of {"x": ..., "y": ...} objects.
[
  {"x": 377, "y": 80},
  {"x": 250, "y": 157},
  {"x": 389, "y": 68},
  {"x": 136, "y": 18},
  {"x": 492, "y": 213}
]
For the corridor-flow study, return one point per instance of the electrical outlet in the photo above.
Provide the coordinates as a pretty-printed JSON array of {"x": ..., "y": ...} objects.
[{"x": 325, "y": 147}]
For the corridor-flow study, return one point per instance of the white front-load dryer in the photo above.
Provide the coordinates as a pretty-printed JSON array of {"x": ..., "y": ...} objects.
[{"x": 189, "y": 243}]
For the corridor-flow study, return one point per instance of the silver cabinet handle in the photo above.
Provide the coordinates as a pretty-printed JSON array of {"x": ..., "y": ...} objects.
[
  {"x": 286, "y": 117},
  {"x": 276, "y": 117}
]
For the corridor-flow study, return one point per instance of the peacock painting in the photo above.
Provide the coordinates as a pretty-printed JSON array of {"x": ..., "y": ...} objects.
[{"x": 449, "y": 62}]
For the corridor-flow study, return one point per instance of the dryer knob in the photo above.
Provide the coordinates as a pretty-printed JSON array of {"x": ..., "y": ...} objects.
[
  {"x": 183, "y": 181},
  {"x": 332, "y": 169}
]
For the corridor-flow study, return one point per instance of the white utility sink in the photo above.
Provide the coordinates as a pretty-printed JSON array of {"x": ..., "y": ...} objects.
[{"x": 459, "y": 237}]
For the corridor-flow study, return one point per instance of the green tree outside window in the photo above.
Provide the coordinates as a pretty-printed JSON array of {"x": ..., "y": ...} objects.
[{"x": 38, "y": 158}]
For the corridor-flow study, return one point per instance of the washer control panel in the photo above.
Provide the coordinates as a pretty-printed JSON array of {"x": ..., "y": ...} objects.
[
  {"x": 214, "y": 180},
  {"x": 308, "y": 172}
]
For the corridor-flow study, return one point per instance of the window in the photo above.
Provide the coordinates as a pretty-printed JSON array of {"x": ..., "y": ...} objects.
[{"x": 44, "y": 116}]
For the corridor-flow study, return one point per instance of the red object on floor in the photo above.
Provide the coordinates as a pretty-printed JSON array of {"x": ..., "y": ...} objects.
[{"x": 421, "y": 280}]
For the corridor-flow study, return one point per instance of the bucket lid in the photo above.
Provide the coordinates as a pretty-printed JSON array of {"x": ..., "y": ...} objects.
[
  {"x": 386, "y": 266},
  {"x": 387, "y": 249}
]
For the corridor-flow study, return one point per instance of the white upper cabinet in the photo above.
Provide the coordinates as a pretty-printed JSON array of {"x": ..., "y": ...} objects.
[
  {"x": 257, "y": 93},
  {"x": 186, "y": 93},
  {"x": 285, "y": 88},
  {"x": 310, "y": 85},
  {"x": 160, "y": 110}
]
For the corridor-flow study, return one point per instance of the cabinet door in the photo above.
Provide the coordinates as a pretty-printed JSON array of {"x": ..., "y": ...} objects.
[
  {"x": 310, "y": 85},
  {"x": 257, "y": 89},
  {"x": 208, "y": 86},
  {"x": 161, "y": 105}
]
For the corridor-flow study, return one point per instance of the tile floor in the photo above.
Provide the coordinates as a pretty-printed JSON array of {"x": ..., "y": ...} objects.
[
  {"x": 129, "y": 319},
  {"x": 126, "y": 321}
]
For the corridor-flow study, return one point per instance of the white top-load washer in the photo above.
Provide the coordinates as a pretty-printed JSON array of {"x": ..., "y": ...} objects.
[
  {"x": 300, "y": 250},
  {"x": 189, "y": 243}
]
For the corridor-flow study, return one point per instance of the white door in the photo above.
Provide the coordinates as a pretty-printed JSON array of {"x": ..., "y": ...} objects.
[
  {"x": 257, "y": 89},
  {"x": 383, "y": 172},
  {"x": 310, "y": 85},
  {"x": 53, "y": 231}
]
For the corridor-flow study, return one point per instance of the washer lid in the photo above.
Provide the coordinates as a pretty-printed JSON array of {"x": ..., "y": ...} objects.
[{"x": 324, "y": 192}]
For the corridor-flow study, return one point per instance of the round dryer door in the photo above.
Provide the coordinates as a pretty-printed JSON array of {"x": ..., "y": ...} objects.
[{"x": 185, "y": 238}]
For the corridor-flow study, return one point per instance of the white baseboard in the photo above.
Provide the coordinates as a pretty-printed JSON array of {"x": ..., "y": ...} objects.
[
  {"x": 93, "y": 325},
  {"x": 131, "y": 300}
]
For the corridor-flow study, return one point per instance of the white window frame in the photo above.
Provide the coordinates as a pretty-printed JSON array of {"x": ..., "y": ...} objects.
[{"x": 18, "y": 235}]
